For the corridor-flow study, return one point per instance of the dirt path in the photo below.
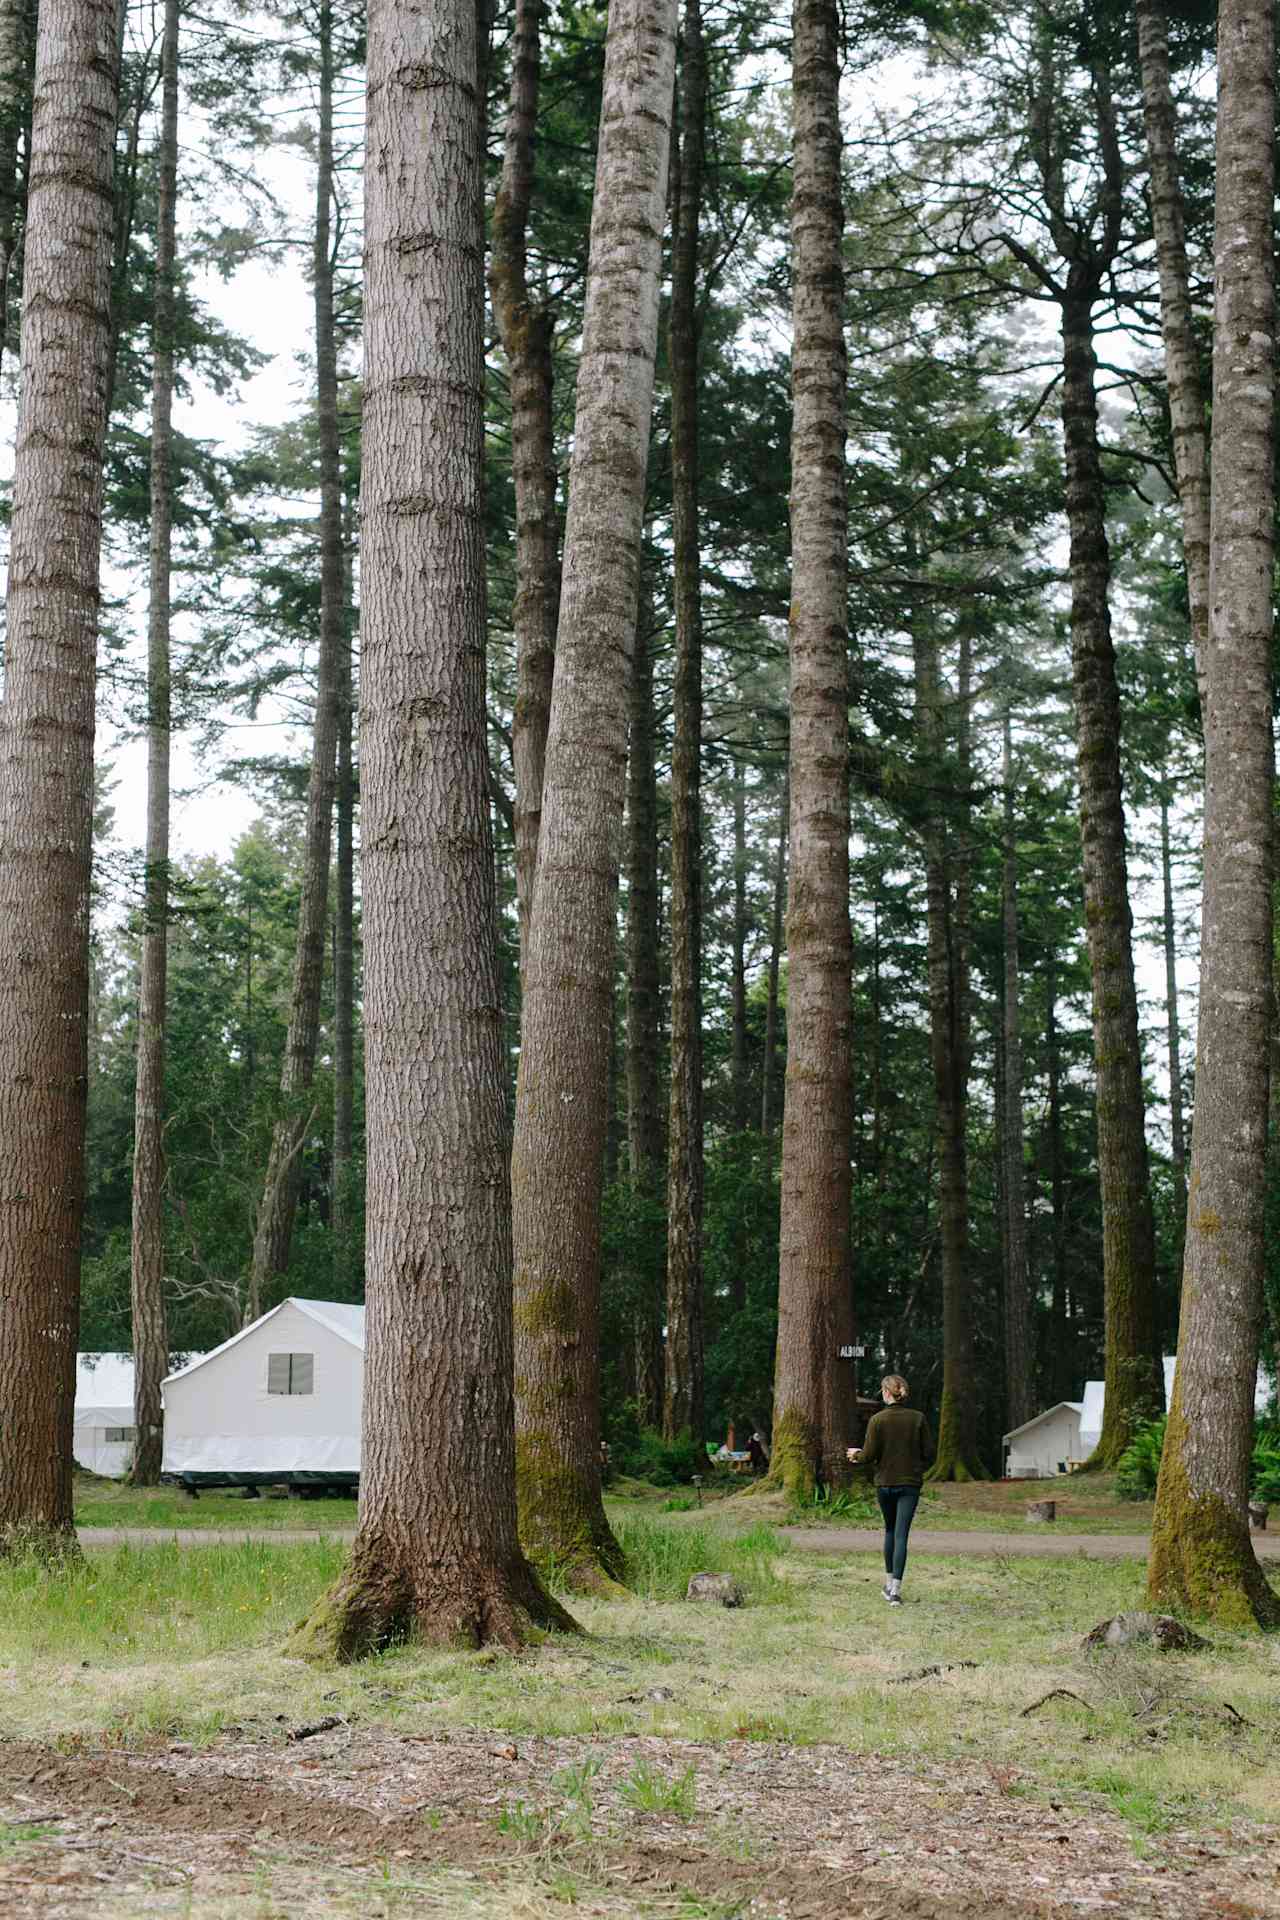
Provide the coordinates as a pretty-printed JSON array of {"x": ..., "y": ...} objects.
[
  {"x": 1039, "y": 1542},
  {"x": 319, "y": 1824}
]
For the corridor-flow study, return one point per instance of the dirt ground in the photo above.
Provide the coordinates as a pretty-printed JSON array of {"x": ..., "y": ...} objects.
[{"x": 287, "y": 1824}]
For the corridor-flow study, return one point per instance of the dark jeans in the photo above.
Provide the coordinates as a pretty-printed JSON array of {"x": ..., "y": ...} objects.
[{"x": 898, "y": 1505}]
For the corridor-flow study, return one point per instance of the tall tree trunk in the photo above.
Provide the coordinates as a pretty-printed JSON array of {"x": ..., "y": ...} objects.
[
  {"x": 947, "y": 888},
  {"x": 436, "y": 1551},
  {"x": 1134, "y": 1382},
  {"x": 526, "y": 328},
  {"x": 273, "y": 1235},
  {"x": 1182, "y": 366},
  {"x": 46, "y": 761},
  {"x": 150, "y": 1339},
  {"x": 769, "y": 1065},
  {"x": 1018, "y": 1335},
  {"x": 562, "y": 1093},
  {"x": 644, "y": 1039},
  {"x": 344, "y": 941},
  {"x": 1202, "y": 1558},
  {"x": 739, "y": 1063},
  {"x": 814, "y": 1397},
  {"x": 1177, "y": 1118},
  {"x": 682, "y": 1399}
]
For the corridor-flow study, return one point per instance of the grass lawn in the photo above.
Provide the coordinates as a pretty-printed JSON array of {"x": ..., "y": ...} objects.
[
  {"x": 678, "y": 1761},
  {"x": 108, "y": 1503}
]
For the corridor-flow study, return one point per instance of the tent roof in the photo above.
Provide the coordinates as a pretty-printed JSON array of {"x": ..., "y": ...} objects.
[
  {"x": 1072, "y": 1406},
  {"x": 103, "y": 1380},
  {"x": 337, "y": 1316}
]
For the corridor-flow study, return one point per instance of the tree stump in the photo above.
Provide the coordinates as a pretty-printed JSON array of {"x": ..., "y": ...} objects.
[
  {"x": 1257, "y": 1517},
  {"x": 721, "y": 1588},
  {"x": 1040, "y": 1510}
]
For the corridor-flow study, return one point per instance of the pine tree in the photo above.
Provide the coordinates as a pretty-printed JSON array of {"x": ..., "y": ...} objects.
[
  {"x": 1202, "y": 1558},
  {"x": 436, "y": 1550},
  {"x": 150, "y": 1342},
  {"x": 46, "y": 759},
  {"x": 813, "y": 1400},
  {"x": 562, "y": 1093}
]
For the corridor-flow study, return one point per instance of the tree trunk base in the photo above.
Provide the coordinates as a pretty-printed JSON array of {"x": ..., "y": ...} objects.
[
  {"x": 382, "y": 1599},
  {"x": 54, "y": 1546},
  {"x": 563, "y": 1524},
  {"x": 1203, "y": 1563},
  {"x": 954, "y": 1467}
]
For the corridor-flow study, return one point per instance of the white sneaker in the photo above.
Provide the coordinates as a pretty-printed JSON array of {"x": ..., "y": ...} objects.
[
  {"x": 893, "y": 1593},
  {"x": 887, "y": 1589}
]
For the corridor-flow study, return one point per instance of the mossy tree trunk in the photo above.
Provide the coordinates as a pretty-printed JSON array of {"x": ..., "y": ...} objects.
[
  {"x": 814, "y": 1392},
  {"x": 1202, "y": 1558},
  {"x": 527, "y": 327},
  {"x": 436, "y": 1552},
  {"x": 46, "y": 760},
  {"x": 150, "y": 1341},
  {"x": 644, "y": 1033},
  {"x": 948, "y": 866},
  {"x": 682, "y": 1392},
  {"x": 562, "y": 1096},
  {"x": 277, "y": 1210}
]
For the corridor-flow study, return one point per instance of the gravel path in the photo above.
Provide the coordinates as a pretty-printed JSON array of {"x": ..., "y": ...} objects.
[{"x": 1038, "y": 1541}]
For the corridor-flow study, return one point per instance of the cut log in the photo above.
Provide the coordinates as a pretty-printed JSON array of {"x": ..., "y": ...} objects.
[
  {"x": 1040, "y": 1510},
  {"x": 1136, "y": 1629},
  {"x": 719, "y": 1587},
  {"x": 1257, "y": 1517}
]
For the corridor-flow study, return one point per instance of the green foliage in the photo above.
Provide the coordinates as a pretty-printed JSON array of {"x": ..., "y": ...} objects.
[
  {"x": 852, "y": 1506},
  {"x": 647, "y": 1789},
  {"x": 642, "y": 1454},
  {"x": 1139, "y": 1467}
]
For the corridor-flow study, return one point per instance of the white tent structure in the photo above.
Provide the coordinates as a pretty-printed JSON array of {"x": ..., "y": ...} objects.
[
  {"x": 1069, "y": 1432},
  {"x": 104, "y": 1432},
  {"x": 278, "y": 1403}
]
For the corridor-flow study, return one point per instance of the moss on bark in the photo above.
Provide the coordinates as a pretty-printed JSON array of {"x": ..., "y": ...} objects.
[
  {"x": 563, "y": 1524},
  {"x": 382, "y": 1600},
  {"x": 954, "y": 1460},
  {"x": 1202, "y": 1560},
  {"x": 794, "y": 1465}
]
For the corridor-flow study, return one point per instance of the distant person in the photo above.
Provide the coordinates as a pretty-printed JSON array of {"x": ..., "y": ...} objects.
[
  {"x": 899, "y": 1446},
  {"x": 758, "y": 1454}
]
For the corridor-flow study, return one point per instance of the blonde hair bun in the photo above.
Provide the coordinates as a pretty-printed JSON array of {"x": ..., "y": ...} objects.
[{"x": 895, "y": 1386}]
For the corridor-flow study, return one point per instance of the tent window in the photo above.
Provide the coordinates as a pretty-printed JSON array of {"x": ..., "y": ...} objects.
[
  {"x": 291, "y": 1372},
  {"x": 115, "y": 1436}
]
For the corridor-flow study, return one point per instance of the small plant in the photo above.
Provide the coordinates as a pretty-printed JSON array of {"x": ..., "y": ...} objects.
[
  {"x": 1139, "y": 1464},
  {"x": 646, "y": 1790},
  {"x": 679, "y": 1503},
  {"x": 525, "y": 1824},
  {"x": 855, "y": 1505}
]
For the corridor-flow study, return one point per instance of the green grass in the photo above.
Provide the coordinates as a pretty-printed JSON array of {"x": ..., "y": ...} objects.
[
  {"x": 106, "y": 1503},
  {"x": 148, "y": 1640}
]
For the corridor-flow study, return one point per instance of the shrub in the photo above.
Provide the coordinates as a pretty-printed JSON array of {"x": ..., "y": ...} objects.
[
  {"x": 643, "y": 1454},
  {"x": 661, "y": 1560},
  {"x": 1139, "y": 1466}
]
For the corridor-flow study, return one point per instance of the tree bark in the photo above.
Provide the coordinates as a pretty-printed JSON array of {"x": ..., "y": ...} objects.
[
  {"x": 769, "y": 1065},
  {"x": 1202, "y": 1559},
  {"x": 947, "y": 889},
  {"x": 344, "y": 942},
  {"x": 273, "y": 1235},
  {"x": 1134, "y": 1382},
  {"x": 436, "y": 1552},
  {"x": 562, "y": 1091},
  {"x": 682, "y": 1400},
  {"x": 738, "y": 1059},
  {"x": 46, "y": 761},
  {"x": 1177, "y": 1118},
  {"x": 1018, "y": 1335},
  {"x": 814, "y": 1398},
  {"x": 1182, "y": 366},
  {"x": 644, "y": 1038},
  {"x": 150, "y": 1338},
  {"x": 527, "y": 328}
]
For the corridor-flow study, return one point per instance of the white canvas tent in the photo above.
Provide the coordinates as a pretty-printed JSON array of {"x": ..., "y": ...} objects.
[
  {"x": 103, "y": 1441},
  {"x": 1071, "y": 1430},
  {"x": 279, "y": 1402},
  {"x": 1044, "y": 1446}
]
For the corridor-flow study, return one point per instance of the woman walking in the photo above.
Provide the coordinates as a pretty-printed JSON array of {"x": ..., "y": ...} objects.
[{"x": 899, "y": 1446}]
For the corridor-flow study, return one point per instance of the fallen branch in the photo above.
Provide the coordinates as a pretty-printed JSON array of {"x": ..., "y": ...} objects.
[
  {"x": 1056, "y": 1693},
  {"x": 327, "y": 1725},
  {"x": 930, "y": 1673},
  {"x": 31, "y": 1819}
]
